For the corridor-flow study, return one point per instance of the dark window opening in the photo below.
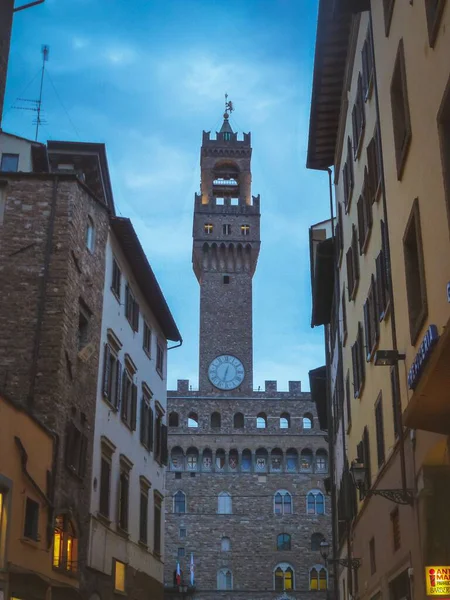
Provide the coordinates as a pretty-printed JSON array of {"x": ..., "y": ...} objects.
[
  {"x": 31, "y": 524},
  {"x": 131, "y": 309},
  {"x": 105, "y": 486},
  {"x": 143, "y": 520},
  {"x": 124, "y": 485},
  {"x": 116, "y": 279},
  {"x": 226, "y": 279},
  {"x": 434, "y": 10},
  {"x": 380, "y": 430},
  {"x": 400, "y": 111}
]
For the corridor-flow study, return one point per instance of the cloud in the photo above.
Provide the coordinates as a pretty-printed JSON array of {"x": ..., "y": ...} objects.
[{"x": 78, "y": 43}]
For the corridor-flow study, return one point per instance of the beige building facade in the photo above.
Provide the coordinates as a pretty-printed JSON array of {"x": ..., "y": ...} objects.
[{"x": 380, "y": 121}]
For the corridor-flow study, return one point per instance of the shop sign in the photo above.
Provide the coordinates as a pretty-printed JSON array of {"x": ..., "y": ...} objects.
[
  {"x": 426, "y": 347},
  {"x": 437, "y": 581}
]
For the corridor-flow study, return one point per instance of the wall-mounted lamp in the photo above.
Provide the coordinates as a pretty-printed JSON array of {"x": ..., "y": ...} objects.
[
  {"x": 399, "y": 496},
  {"x": 353, "y": 563},
  {"x": 387, "y": 358}
]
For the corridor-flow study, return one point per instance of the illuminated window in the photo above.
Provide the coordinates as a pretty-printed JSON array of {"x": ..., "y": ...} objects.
[
  {"x": 282, "y": 503},
  {"x": 119, "y": 576},
  {"x": 283, "y": 577},
  {"x": 318, "y": 578},
  {"x": 64, "y": 545},
  {"x": 245, "y": 229},
  {"x": 208, "y": 228}
]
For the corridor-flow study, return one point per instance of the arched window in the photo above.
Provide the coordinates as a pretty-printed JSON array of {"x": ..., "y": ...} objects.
[
  {"x": 176, "y": 459},
  {"x": 246, "y": 464},
  {"x": 292, "y": 460},
  {"x": 192, "y": 459},
  {"x": 261, "y": 421},
  {"x": 285, "y": 421},
  {"x": 283, "y": 577},
  {"x": 173, "y": 419},
  {"x": 307, "y": 421},
  {"x": 207, "y": 460},
  {"x": 321, "y": 461},
  {"x": 318, "y": 578},
  {"x": 283, "y": 541},
  {"x": 238, "y": 421},
  {"x": 262, "y": 460},
  {"x": 224, "y": 506},
  {"x": 282, "y": 503},
  {"x": 193, "y": 419},
  {"x": 276, "y": 460},
  {"x": 90, "y": 235},
  {"x": 233, "y": 460},
  {"x": 225, "y": 544},
  {"x": 215, "y": 420},
  {"x": 65, "y": 545},
  {"x": 316, "y": 538},
  {"x": 220, "y": 460},
  {"x": 224, "y": 579},
  {"x": 306, "y": 460},
  {"x": 315, "y": 503},
  {"x": 179, "y": 502}
]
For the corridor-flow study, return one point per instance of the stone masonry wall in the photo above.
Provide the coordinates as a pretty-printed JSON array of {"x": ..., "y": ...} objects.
[
  {"x": 59, "y": 386},
  {"x": 252, "y": 527}
]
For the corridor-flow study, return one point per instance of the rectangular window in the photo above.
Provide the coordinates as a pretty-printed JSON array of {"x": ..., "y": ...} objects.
[
  {"x": 245, "y": 229},
  {"x": 344, "y": 318},
  {"x": 208, "y": 228},
  {"x": 434, "y": 10},
  {"x": 180, "y": 553},
  {"x": 9, "y": 163},
  {"x": 358, "y": 363},
  {"x": 226, "y": 229},
  {"x": 395, "y": 521},
  {"x": 352, "y": 259},
  {"x": 124, "y": 486},
  {"x": 371, "y": 322},
  {"x": 182, "y": 532},
  {"x": 76, "y": 448},
  {"x": 367, "y": 66},
  {"x": 146, "y": 429},
  {"x": 379, "y": 430},
  {"x": 157, "y": 524},
  {"x": 116, "y": 279},
  {"x": 84, "y": 316},
  {"x": 112, "y": 376},
  {"x": 131, "y": 309},
  {"x": 373, "y": 564},
  {"x": 30, "y": 529},
  {"x": 147, "y": 340},
  {"x": 105, "y": 486},
  {"x": 129, "y": 401},
  {"x": 444, "y": 138},
  {"x": 160, "y": 359},
  {"x": 349, "y": 401},
  {"x": 374, "y": 167},
  {"x": 119, "y": 576},
  {"x": 143, "y": 521},
  {"x": 358, "y": 118},
  {"x": 364, "y": 210},
  {"x": 400, "y": 110},
  {"x": 415, "y": 273},
  {"x": 388, "y": 8},
  {"x": 348, "y": 176}
]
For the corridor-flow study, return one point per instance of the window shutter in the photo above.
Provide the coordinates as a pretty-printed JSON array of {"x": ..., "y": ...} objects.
[
  {"x": 366, "y": 310},
  {"x": 361, "y": 228},
  {"x": 150, "y": 428},
  {"x": 105, "y": 475},
  {"x": 127, "y": 301},
  {"x": 164, "y": 449},
  {"x": 373, "y": 311},
  {"x": 124, "y": 407},
  {"x": 381, "y": 304},
  {"x": 366, "y": 450},
  {"x": 355, "y": 371},
  {"x": 361, "y": 361},
  {"x": 355, "y": 256},
  {"x": 83, "y": 456},
  {"x": 133, "y": 406},
  {"x": 143, "y": 427},
  {"x": 350, "y": 280},
  {"x": 386, "y": 263},
  {"x": 118, "y": 386},
  {"x": 135, "y": 316},
  {"x": 106, "y": 371}
]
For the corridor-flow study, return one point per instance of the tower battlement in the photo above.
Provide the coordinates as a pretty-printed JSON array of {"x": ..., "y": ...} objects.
[
  {"x": 226, "y": 139},
  {"x": 227, "y": 205}
]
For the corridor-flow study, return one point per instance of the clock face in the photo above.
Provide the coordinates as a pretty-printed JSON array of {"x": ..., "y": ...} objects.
[{"x": 226, "y": 372}]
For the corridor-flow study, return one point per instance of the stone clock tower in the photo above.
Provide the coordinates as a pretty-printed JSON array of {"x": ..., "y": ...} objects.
[{"x": 225, "y": 252}]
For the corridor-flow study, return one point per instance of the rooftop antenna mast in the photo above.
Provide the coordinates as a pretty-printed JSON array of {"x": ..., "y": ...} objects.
[{"x": 37, "y": 103}]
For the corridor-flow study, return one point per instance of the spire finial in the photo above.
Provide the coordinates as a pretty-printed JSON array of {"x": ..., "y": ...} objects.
[{"x": 228, "y": 107}]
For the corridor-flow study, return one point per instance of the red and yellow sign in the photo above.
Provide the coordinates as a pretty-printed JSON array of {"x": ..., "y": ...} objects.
[{"x": 437, "y": 580}]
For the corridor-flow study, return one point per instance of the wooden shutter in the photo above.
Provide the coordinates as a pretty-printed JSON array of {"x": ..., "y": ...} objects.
[
  {"x": 83, "y": 456},
  {"x": 133, "y": 406},
  {"x": 105, "y": 477},
  {"x": 366, "y": 310},
  {"x": 380, "y": 430},
  {"x": 135, "y": 316},
  {"x": 125, "y": 399},
  {"x": 144, "y": 423},
  {"x": 361, "y": 225},
  {"x": 164, "y": 449},
  {"x": 355, "y": 256},
  {"x": 374, "y": 310},
  {"x": 386, "y": 263},
  {"x": 355, "y": 371},
  {"x": 361, "y": 361},
  {"x": 350, "y": 274},
  {"x": 106, "y": 370},
  {"x": 127, "y": 301},
  {"x": 150, "y": 428},
  {"x": 116, "y": 400},
  {"x": 366, "y": 448}
]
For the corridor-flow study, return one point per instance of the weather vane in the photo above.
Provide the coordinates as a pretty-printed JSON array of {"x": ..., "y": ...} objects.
[{"x": 228, "y": 107}]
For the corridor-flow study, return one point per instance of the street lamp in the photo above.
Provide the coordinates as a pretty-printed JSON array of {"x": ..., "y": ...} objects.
[
  {"x": 359, "y": 475},
  {"x": 387, "y": 358},
  {"x": 353, "y": 563}
]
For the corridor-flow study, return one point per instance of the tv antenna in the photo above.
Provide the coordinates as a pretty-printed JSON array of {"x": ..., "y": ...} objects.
[{"x": 37, "y": 103}]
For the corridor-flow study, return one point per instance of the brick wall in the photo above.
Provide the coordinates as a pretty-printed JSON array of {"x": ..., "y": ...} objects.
[{"x": 45, "y": 269}]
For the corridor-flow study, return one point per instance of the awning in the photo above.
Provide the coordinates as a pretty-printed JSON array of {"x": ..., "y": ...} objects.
[
  {"x": 318, "y": 387},
  {"x": 323, "y": 283}
]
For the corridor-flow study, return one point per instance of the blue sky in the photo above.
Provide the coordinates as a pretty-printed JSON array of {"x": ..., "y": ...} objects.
[{"x": 146, "y": 77}]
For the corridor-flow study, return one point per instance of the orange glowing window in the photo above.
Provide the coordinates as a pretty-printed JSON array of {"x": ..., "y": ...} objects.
[{"x": 64, "y": 545}]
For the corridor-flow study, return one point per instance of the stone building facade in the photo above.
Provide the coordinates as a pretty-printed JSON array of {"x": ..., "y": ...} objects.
[{"x": 246, "y": 505}]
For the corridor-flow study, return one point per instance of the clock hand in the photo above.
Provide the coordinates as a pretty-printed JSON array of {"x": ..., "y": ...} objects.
[{"x": 226, "y": 371}]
